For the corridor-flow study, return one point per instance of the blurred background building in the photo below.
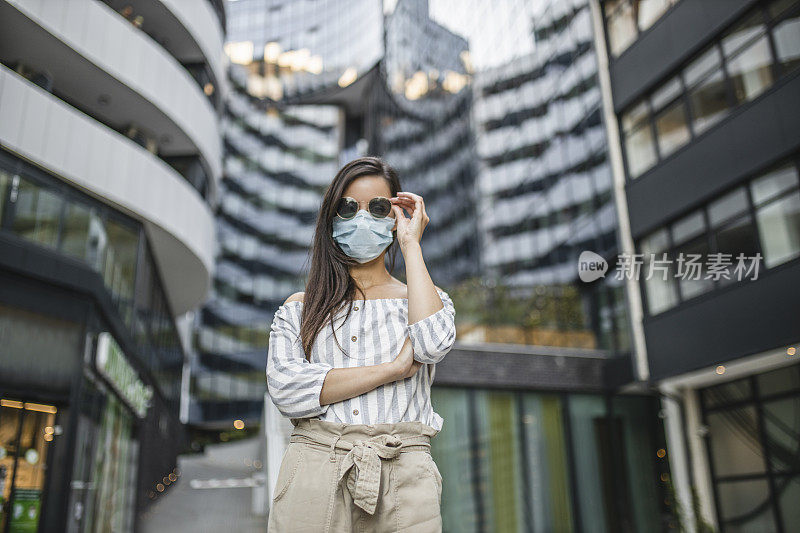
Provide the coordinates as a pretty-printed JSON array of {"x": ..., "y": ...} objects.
[
  {"x": 276, "y": 168},
  {"x": 510, "y": 155},
  {"x": 704, "y": 96},
  {"x": 162, "y": 164},
  {"x": 110, "y": 160}
]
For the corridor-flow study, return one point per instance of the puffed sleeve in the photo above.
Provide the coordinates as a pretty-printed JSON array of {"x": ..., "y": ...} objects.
[
  {"x": 433, "y": 336},
  {"x": 293, "y": 383}
]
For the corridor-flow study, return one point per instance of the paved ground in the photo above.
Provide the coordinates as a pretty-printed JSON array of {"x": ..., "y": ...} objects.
[{"x": 213, "y": 494}]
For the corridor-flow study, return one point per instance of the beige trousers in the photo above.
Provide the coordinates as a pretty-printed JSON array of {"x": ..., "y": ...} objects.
[{"x": 357, "y": 477}]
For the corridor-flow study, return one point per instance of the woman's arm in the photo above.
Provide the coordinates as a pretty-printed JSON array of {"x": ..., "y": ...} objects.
[
  {"x": 345, "y": 383},
  {"x": 299, "y": 388},
  {"x": 431, "y": 318},
  {"x": 423, "y": 299}
]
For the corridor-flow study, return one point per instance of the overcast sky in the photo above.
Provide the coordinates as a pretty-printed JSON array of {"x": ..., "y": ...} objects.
[{"x": 497, "y": 30}]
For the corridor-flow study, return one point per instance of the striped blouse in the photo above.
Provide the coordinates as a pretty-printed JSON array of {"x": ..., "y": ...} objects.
[{"x": 373, "y": 334}]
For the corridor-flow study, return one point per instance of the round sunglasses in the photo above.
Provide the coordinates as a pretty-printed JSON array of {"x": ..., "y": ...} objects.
[{"x": 379, "y": 207}]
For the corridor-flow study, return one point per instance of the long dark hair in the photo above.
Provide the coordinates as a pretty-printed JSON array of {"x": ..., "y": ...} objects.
[{"x": 330, "y": 287}]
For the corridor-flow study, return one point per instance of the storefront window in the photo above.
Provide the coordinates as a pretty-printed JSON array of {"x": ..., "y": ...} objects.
[
  {"x": 516, "y": 461},
  {"x": 744, "y": 506},
  {"x": 753, "y": 442},
  {"x": 106, "y": 461},
  {"x": 26, "y": 430}
]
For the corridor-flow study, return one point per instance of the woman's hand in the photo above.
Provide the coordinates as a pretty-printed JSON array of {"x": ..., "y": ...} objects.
[
  {"x": 404, "y": 364},
  {"x": 409, "y": 230}
]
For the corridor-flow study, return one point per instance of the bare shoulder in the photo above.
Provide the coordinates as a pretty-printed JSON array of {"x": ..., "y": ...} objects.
[{"x": 296, "y": 297}]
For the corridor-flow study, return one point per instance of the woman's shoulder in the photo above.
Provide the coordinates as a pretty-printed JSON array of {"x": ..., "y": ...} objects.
[{"x": 296, "y": 297}]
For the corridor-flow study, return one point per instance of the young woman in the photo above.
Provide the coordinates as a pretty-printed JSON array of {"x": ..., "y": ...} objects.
[{"x": 353, "y": 373}]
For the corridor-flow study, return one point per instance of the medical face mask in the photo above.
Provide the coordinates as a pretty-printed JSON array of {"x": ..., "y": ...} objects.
[{"x": 363, "y": 237}]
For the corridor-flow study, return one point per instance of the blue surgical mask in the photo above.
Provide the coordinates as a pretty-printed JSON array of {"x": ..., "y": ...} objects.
[{"x": 363, "y": 237}]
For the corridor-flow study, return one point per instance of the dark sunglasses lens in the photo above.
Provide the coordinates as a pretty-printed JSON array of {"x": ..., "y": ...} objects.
[
  {"x": 380, "y": 207},
  {"x": 347, "y": 208}
]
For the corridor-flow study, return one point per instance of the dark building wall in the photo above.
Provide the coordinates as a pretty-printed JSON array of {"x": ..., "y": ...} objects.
[
  {"x": 750, "y": 139},
  {"x": 746, "y": 317},
  {"x": 679, "y": 33}
]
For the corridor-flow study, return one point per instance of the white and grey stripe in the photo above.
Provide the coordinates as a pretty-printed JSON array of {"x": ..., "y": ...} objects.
[{"x": 380, "y": 327}]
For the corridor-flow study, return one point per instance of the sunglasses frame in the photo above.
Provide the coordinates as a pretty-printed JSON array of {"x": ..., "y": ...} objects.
[{"x": 368, "y": 210}]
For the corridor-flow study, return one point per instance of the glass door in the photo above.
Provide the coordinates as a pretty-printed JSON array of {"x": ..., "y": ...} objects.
[{"x": 26, "y": 430}]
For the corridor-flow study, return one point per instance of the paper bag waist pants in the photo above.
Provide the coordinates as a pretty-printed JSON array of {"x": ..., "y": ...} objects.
[{"x": 356, "y": 477}]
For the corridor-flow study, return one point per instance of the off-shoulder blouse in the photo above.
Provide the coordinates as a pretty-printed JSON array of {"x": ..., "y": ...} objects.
[{"x": 373, "y": 334}]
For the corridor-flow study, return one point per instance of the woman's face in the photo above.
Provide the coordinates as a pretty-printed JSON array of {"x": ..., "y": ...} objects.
[{"x": 365, "y": 188}]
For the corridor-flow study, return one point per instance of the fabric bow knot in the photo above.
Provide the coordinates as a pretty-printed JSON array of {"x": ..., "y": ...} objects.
[{"x": 362, "y": 466}]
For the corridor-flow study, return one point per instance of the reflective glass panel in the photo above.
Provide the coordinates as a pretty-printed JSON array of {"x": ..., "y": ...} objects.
[
  {"x": 37, "y": 213},
  {"x": 779, "y": 228},
  {"x": 708, "y": 101},
  {"x": 751, "y": 70},
  {"x": 671, "y": 128}
]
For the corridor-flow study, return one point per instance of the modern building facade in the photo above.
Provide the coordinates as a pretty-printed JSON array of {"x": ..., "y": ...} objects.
[
  {"x": 418, "y": 116},
  {"x": 535, "y": 438},
  {"x": 277, "y": 164},
  {"x": 704, "y": 114},
  {"x": 110, "y": 158},
  {"x": 545, "y": 187}
]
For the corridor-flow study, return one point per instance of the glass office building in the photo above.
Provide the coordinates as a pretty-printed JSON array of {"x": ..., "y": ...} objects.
[
  {"x": 277, "y": 164},
  {"x": 419, "y": 117},
  {"x": 107, "y": 175},
  {"x": 545, "y": 188},
  {"x": 510, "y": 154},
  {"x": 708, "y": 142}
]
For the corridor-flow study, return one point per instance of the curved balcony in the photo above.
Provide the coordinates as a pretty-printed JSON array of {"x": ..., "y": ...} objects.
[
  {"x": 110, "y": 69},
  {"x": 43, "y": 129},
  {"x": 205, "y": 27}
]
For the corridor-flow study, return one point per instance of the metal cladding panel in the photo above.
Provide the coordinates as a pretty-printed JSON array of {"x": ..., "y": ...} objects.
[{"x": 744, "y": 319}]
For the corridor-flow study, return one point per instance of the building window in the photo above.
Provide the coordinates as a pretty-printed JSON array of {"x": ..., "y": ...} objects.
[
  {"x": 708, "y": 92},
  {"x": 639, "y": 143},
  {"x": 690, "y": 238},
  {"x": 759, "y": 217},
  {"x": 660, "y": 288},
  {"x": 753, "y": 438},
  {"x": 732, "y": 228},
  {"x": 777, "y": 202},
  {"x": 672, "y": 129},
  {"x": 37, "y": 212},
  {"x": 786, "y": 35},
  {"x": 736, "y": 68},
  {"x": 627, "y": 19}
]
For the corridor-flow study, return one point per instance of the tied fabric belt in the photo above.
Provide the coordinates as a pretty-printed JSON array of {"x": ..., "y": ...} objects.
[{"x": 362, "y": 464}]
